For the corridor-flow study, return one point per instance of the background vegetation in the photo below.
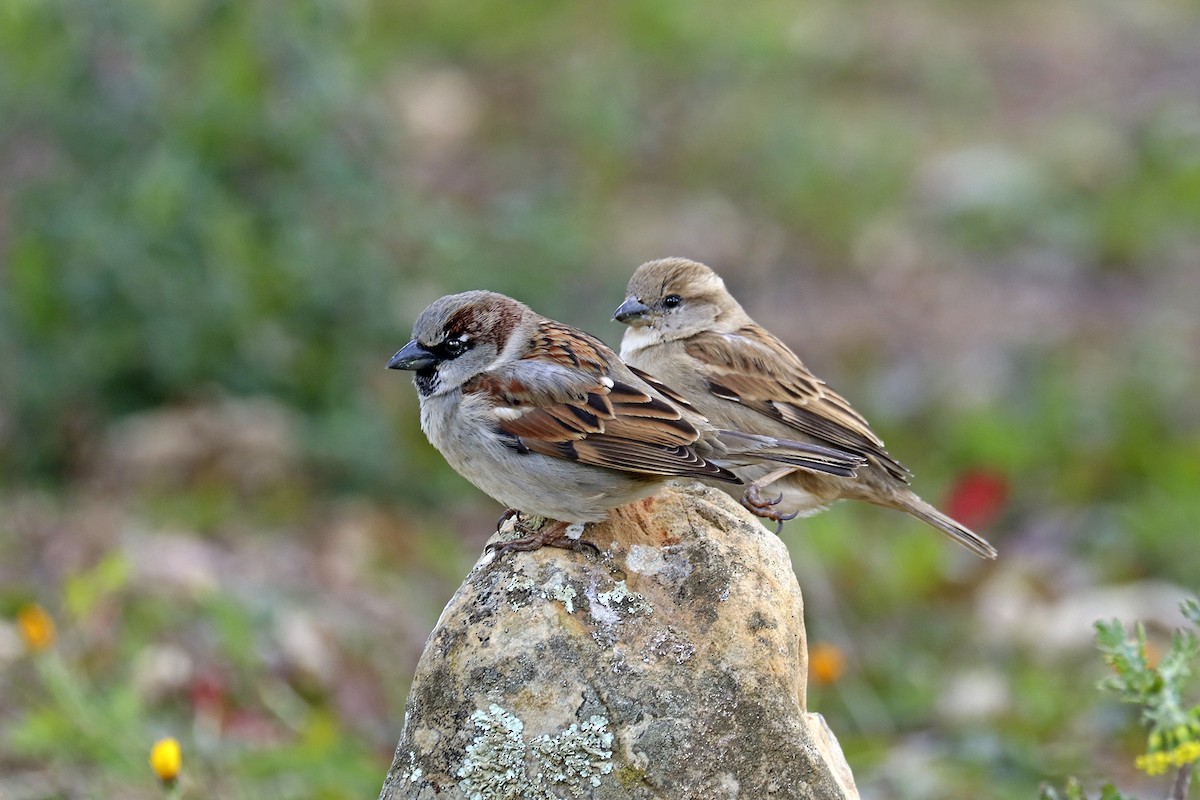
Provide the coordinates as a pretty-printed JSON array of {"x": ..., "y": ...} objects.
[{"x": 980, "y": 221}]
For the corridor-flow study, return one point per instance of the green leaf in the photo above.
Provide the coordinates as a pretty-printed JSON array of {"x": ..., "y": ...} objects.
[{"x": 83, "y": 591}]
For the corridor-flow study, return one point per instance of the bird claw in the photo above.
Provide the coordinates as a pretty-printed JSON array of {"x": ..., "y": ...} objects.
[
  {"x": 508, "y": 514},
  {"x": 782, "y": 519},
  {"x": 549, "y": 535},
  {"x": 753, "y": 501}
]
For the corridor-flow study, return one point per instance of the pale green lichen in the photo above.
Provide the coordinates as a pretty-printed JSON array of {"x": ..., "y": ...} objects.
[
  {"x": 622, "y": 594},
  {"x": 495, "y": 758},
  {"x": 495, "y": 766},
  {"x": 519, "y": 582},
  {"x": 580, "y": 753},
  {"x": 562, "y": 592},
  {"x": 519, "y": 588},
  {"x": 413, "y": 773}
]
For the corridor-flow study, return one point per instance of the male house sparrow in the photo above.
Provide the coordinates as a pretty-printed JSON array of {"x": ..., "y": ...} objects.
[
  {"x": 688, "y": 330},
  {"x": 547, "y": 420}
]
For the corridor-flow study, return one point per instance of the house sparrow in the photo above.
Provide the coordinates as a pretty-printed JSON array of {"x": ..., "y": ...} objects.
[
  {"x": 689, "y": 331},
  {"x": 547, "y": 420}
]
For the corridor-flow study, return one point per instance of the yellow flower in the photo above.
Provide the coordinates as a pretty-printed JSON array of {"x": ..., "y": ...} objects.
[
  {"x": 1158, "y": 763},
  {"x": 1153, "y": 763},
  {"x": 36, "y": 626},
  {"x": 166, "y": 759},
  {"x": 826, "y": 663},
  {"x": 1186, "y": 753}
]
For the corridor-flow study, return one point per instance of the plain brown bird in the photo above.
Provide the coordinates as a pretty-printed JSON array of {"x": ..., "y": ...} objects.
[{"x": 686, "y": 329}]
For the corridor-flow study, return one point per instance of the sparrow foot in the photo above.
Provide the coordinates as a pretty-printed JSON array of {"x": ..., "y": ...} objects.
[
  {"x": 508, "y": 514},
  {"x": 551, "y": 534},
  {"x": 753, "y": 501}
]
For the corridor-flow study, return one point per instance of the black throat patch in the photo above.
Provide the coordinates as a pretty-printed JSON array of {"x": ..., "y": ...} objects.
[{"x": 425, "y": 380}]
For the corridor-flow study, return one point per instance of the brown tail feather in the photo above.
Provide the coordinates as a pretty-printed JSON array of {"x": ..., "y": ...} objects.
[{"x": 959, "y": 533}]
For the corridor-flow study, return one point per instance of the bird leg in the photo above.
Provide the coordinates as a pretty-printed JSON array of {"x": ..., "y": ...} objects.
[
  {"x": 759, "y": 506},
  {"x": 552, "y": 533}
]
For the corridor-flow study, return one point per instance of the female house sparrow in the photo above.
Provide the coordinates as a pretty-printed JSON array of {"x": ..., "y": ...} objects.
[
  {"x": 547, "y": 420},
  {"x": 687, "y": 329}
]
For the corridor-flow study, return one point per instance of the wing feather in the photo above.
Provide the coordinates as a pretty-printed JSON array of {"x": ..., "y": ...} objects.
[
  {"x": 753, "y": 368},
  {"x": 575, "y": 405}
]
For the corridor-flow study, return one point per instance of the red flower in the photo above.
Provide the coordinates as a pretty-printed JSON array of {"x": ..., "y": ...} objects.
[
  {"x": 208, "y": 695},
  {"x": 978, "y": 497}
]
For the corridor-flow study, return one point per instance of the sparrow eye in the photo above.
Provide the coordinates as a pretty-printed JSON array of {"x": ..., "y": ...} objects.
[
  {"x": 672, "y": 300},
  {"x": 454, "y": 347}
]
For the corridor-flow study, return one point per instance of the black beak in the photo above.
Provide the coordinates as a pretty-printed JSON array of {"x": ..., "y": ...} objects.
[
  {"x": 632, "y": 311},
  {"x": 412, "y": 356}
]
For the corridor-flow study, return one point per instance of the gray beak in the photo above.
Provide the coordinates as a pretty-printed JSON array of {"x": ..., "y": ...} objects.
[
  {"x": 632, "y": 311},
  {"x": 412, "y": 356}
]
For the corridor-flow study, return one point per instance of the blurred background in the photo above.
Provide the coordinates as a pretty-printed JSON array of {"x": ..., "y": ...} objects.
[{"x": 979, "y": 221}]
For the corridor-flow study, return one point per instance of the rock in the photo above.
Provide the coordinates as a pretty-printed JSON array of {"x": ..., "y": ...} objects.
[{"x": 671, "y": 665}]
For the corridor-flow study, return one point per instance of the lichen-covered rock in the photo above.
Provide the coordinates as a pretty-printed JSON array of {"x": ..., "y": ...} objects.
[{"x": 672, "y": 665}]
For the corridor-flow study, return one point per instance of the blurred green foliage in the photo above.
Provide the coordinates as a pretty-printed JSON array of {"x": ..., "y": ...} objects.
[
  {"x": 198, "y": 206},
  {"x": 94, "y": 720},
  {"x": 206, "y": 199}
]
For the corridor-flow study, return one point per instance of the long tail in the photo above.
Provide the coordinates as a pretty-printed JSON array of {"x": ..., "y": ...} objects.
[
  {"x": 959, "y": 533},
  {"x": 750, "y": 448}
]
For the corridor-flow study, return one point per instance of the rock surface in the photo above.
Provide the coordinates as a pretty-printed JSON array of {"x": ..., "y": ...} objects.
[{"x": 671, "y": 665}]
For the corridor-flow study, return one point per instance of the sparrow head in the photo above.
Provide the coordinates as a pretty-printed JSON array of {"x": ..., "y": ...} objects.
[
  {"x": 456, "y": 338},
  {"x": 676, "y": 298}
]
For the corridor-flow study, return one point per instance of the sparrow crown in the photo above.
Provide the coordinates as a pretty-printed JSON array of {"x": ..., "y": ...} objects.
[
  {"x": 682, "y": 298},
  {"x": 465, "y": 333}
]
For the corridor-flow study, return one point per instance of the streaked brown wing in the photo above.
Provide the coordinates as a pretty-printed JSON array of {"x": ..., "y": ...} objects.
[
  {"x": 660, "y": 387},
  {"x": 561, "y": 344},
  {"x": 756, "y": 370},
  {"x": 591, "y": 416}
]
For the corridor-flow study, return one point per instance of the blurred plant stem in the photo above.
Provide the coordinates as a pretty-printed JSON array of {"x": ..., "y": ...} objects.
[
  {"x": 69, "y": 690},
  {"x": 1182, "y": 781}
]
